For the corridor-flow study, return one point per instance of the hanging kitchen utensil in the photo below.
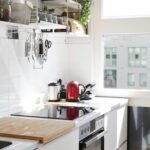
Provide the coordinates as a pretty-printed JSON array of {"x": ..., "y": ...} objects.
[
  {"x": 37, "y": 53},
  {"x": 28, "y": 47},
  {"x": 48, "y": 45},
  {"x": 37, "y": 48},
  {"x": 41, "y": 50}
]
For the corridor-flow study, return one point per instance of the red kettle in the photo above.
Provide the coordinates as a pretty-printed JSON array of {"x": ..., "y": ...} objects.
[
  {"x": 73, "y": 95},
  {"x": 73, "y": 91}
]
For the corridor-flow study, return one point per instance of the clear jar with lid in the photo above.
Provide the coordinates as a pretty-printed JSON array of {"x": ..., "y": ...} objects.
[
  {"x": 21, "y": 11},
  {"x": 5, "y": 10}
]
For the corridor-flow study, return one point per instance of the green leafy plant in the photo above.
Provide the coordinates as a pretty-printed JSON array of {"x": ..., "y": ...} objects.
[{"x": 86, "y": 11}]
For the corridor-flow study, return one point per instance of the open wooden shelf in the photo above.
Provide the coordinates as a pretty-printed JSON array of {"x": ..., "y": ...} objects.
[
  {"x": 41, "y": 25},
  {"x": 47, "y": 25}
]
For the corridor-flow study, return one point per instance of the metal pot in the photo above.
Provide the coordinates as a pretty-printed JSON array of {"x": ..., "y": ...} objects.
[{"x": 53, "y": 92}]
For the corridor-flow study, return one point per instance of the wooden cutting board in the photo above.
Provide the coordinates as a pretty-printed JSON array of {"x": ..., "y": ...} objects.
[{"x": 43, "y": 130}]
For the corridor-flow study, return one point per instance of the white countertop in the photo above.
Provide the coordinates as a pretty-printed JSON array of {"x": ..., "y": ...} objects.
[
  {"x": 97, "y": 102},
  {"x": 20, "y": 144},
  {"x": 102, "y": 105}
]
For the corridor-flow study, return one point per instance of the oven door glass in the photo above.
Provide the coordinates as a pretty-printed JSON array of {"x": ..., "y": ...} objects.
[{"x": 93, "y": 142}]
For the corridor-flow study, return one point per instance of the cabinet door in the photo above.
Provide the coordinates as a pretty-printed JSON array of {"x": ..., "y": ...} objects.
[
  {"x": 111, "y": 127},
  {"x": 121, "y": 126},
  {"x": 123, "y": 147},
  {"x": 69, "y": 141},
  {"x": 116, "y": 125}
]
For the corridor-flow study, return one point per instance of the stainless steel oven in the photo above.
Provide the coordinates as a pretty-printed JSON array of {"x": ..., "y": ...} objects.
[{"x": 92, "y": 135}]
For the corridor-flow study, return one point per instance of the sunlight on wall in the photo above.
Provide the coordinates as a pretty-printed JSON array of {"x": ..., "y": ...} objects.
[{"x": 125, "y": 8}]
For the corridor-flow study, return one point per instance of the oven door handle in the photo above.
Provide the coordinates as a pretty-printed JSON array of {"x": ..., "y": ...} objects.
[{"x": 94, "y": 139}]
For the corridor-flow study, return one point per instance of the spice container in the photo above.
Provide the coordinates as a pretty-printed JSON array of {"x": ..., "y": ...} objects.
[
  {"x": 43, "y": 16},
  {"x": 5, "y": 10},
  {"x": 21, "y": 11}
]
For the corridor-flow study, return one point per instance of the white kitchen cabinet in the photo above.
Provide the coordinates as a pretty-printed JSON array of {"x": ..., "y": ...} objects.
[
  {"x": 123, "y": 147},
  {"x": 116, "y": 125},
  {"x": 69, "y": 141},
  {"x": 111, "y": 127},
  {"x": 121, "y": 126}
]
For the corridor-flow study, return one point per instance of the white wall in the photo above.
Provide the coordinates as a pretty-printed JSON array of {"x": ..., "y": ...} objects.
[
  {"x": 91, "y": 54},
  {"x": 19, "y": 82},
  {"x": 116, "y": 26},
  {"x": 79, "y": 59}
]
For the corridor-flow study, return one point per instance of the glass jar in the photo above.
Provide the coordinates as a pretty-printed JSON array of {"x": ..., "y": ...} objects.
[
  {"x": 21, "y": 11},
  {"x": 5, "y": 10}
]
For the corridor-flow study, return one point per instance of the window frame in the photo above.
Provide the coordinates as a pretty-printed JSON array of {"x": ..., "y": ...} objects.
[{"x": 100, "y": 27}]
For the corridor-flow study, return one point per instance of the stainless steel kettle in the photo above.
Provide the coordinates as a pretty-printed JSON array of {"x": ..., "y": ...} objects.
[{"x": 54, "y": 91}]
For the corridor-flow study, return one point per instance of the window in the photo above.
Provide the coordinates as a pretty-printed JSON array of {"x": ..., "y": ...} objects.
[
  {"x": 137, "y": 56},
  {"x": 125, "y": 8},
  {"x": 143, "y": 80},
  {"x": 121, "y": 24},
  {"x": 131, "y": 79},
  {"x": 126, "y": 63},
  {"x": 110, "y": 78},
  {"x": 110, "y": 56}
]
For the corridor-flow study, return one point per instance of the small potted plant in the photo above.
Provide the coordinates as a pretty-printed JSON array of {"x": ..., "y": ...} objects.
[{"x": 85, "y": 11}]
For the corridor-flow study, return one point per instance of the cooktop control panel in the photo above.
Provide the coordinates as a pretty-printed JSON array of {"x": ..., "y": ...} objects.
[{"x": 91, "y": 127}]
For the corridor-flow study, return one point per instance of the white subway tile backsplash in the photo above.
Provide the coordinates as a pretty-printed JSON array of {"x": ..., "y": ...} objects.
[
  {"x": 4, "y": 67},
  {"x": 19, "y": 82}
]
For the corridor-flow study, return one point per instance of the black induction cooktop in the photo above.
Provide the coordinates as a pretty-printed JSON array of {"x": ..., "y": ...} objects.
[
  {"x": 4, "y": 144},
  {"x": 56, "y": 112}
]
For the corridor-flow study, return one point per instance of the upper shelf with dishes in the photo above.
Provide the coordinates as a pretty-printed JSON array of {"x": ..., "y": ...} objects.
[
  {"x": 73, "y": 5},
  {"x": 49, "y": 15}
]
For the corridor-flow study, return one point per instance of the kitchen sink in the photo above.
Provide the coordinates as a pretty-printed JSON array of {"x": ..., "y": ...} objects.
[{"x": 4, "y": 144}]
